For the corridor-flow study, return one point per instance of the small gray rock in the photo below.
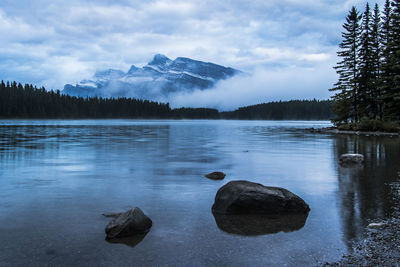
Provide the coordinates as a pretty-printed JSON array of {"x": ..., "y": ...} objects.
[
  {"x": 351, "y": 159},
  {"x": 129, "y": 223},
  {"x": 216, "y": 175},
  {"x": 244, "y": 197},
  {"x": 376, "y": 225}
]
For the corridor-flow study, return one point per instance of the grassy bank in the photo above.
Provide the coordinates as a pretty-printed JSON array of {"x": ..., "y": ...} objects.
[{"x": 371, "y": 125}]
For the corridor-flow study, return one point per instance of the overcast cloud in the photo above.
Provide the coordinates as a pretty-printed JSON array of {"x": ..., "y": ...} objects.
[{"x": 287, "y": 46}]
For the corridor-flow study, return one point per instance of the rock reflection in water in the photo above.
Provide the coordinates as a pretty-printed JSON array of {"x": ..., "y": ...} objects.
[
  {"x": 260, "y": 224},
  {"x": 129, "y": 241}
]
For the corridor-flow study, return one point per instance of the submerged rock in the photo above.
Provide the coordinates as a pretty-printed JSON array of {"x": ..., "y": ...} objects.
[
  {"x": 243, "y": 197},
  {"x": 260, "y": 224},
  {"x": 216, "y": 175},
  {"x": 130, "y": 223},
  {"x": 348, "y": 159}
]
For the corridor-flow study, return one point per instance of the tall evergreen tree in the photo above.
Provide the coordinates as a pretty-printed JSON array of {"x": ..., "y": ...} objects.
[
  {"x": 376, "y": 60},
  {"x": 347, "y": 98},
  {"x": 392, "y": 68},
  {"x": 367, "y": 92},
  {"x": 386, "y": 33},
  {"x": 386, "y": 27}
]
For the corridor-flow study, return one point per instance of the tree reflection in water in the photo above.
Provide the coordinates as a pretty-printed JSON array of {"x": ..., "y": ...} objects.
[{"x": 364, "y": 191}]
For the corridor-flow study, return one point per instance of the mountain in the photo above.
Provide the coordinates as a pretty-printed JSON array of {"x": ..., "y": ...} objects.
[{"x": 160, "y": 78}]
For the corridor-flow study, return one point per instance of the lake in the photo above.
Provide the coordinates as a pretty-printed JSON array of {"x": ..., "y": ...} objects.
[{"x": 57, "y": 177}]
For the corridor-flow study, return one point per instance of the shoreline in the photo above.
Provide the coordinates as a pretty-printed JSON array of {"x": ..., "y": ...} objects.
[
  {"x": 380, "y": 246},
  {"x": 334, "y": 130}
]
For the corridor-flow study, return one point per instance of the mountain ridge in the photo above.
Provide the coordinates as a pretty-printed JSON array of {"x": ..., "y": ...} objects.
[{"x": 161, "y": 77}]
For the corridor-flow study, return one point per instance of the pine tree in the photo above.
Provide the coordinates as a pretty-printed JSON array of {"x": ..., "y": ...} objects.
[
  {"x": 367, "y": 92},
  {"x": 385, "y": 40},
  {"x": 347, "y": 99},
  {"x": 376, "y": 59},
  {"x": 386, "y": 27},
  {"x": 392, "y": 68}
]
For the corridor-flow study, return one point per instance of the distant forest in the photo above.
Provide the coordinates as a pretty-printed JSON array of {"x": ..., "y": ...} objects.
[
  {"x": 368, "y": 88},
  {"x": 284, "y": 110},
  {"x": 27, "y": 101}
]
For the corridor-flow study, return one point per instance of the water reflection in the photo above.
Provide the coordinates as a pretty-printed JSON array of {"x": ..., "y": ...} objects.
[
  {"x": 132, "y": 241},
  {"x": 260, "y": 224},
  {"x": 363, "y": 189},
  {"x": 56, "y": 177},
  {"x": 163, "y": 146}
]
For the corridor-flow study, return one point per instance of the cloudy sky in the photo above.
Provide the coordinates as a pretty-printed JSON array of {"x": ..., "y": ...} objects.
[{"x": 288, "y": 46}]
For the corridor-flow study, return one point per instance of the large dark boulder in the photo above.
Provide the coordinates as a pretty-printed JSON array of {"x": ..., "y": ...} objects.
[
  {"x": 127, "y": 224},
  {"x": 241, "y": 197}
]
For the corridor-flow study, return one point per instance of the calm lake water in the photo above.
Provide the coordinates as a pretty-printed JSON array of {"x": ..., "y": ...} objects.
[{"x": 58, "y": 177}]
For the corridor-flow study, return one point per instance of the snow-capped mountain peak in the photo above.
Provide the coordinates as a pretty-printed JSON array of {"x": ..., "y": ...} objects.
[
  {"x": 160, "y": 60},
  {"x": 160, "y": 77},
  {"x": 133, "y": 69}
]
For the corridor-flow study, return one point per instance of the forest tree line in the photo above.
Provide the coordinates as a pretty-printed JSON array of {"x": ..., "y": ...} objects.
[
  {"x": 28, "y": 101},
  {"x": 368, "y": 88},
  {"x": 18, "y": 101},
  {"x": 284, "y": 110}
]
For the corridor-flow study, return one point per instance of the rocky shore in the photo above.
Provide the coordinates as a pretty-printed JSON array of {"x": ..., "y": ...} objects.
[
  {"x": 381, "y": 246},
  {"x": 334, "y": 130}
]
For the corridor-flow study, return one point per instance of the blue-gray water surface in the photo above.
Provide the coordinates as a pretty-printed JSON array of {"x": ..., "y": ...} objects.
[{"x": 57, "y": 177}]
